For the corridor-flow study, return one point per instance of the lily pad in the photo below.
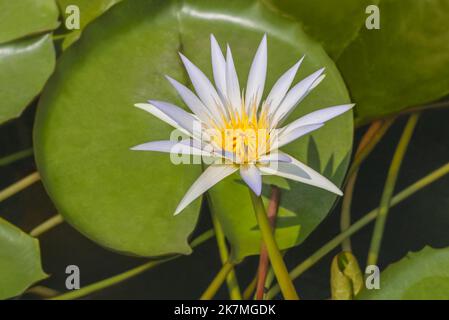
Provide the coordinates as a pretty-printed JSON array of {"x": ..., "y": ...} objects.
[
  {"x": 404, "y": 64},
  {"x": 89, "y": 10},
  {"x": 418, "y": 276},
  {"x": 20, "y": 261},
  {"x": 86, "y": 124},
  {"x": 26, "y": 17},
  {"x": 242, "y": 25},
  {"x": 25, "y": 66},
  {"x": 334, "y": 23}
]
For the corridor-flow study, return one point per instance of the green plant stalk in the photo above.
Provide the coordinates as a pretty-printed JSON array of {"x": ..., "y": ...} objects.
[
  {"x": 19, "y": 186},
  {"x": 390, "y": 184},
  {"x": 47, "y": 225},
  {"x": 231, "y": 279},
  {"x": 16, "y": 157},
  {"x": 268, "y": 281},
  {"x": 42, "y": 292},
  {"x": 97, "y": 286},
  {"x": 335, "y": 242},
  {"x": 367, "y": 144},
  {"x": 249, "y": 290},
  {"x": 218, "y": 281},
  {"x": 277, "y": 262}
]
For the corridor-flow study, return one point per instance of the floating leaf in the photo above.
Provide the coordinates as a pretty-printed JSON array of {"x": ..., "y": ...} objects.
[
  {"x": 404, "y": 64},
  {"x": 26, "y": 17},
  {"x": 25, "y": 66},
  {"x": 86, "y": 124},
  {"x": 346, "y": 277},
  {"x": 89, "y": 11},
  {"x": 334, "y": 23},
  {"x": 242, "y": 24},
  {"x": 418, "y": 276},
  {"x": 20, "y": 261}
]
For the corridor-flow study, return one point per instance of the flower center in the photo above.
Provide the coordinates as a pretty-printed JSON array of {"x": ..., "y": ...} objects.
[{"x": 245, "y": 134}]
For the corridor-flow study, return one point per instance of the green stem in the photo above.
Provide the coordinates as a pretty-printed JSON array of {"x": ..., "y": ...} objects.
[
  {"x": 218, "y": 281},
  {"x": 128, "y": 274},
  {"x": 368, "y": 142},
  {"x": 335, "y": 242},
  {"x": 47, "y": 225},
  {"x": 368, "y": 146},
  {"x": 231, "y": 279},
  {"x": 248, "y": 292},
  {"x": 19, "y": 186},
  {"x": 390, "y": 184},
  {"x": 407, "y": 111},
  {"x": 43, "y": 292},
  {"x": 15, "y": 157},
  {"x": 277, "y": 262}
]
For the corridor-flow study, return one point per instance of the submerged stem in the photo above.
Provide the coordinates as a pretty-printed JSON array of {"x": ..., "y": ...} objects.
[
  {"x": 368, "y": 142},
  {"x": 332, "y": 244},
  {"x": 218, "y": 281},
  {"x": 231, "y": 279},
  {"x": 94, "y": 287},
  {"x": 19, "y": 186},
  {"x": 47, "y": 225},
  {"x": 277, "y": 262},
  {"x": 16, "y": 157},
  {"x": 390, "y": 184}
]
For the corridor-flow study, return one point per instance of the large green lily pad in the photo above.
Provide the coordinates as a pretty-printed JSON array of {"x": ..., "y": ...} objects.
[
  {"x": 423, "y": 275},
  {"x": 86, "y": 124},
  {"x": 242, "y": 24},
  {"x": 20, "y": 261},
  {"x": 334, "y": 23},
  {"x": 404, "y": 64},
  {"x": 25, "y": 66},
  {"x": 26, "y": 17},
  {"x": 89, "y": 11}
]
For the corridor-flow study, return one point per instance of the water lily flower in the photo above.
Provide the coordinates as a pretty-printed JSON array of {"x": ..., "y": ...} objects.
[{"x": 236, "y": 128}]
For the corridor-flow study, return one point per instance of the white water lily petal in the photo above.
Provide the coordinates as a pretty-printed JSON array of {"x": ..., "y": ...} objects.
[
  {"x": 162, "y": 116},
  {"x": 252, "y": 177},
  {"x": 284, "y": 138},
  {"x": 211, "y": 176},
  {"x": 191, "y": 100},
  {"x": 182, "y": 118},
  {"x": 203, "y": 87},
  {"x": 218, "y": 66},
  {"x": 186, "y": 147},
  {"x": 295, "y": 96},
  {"x": 281, "y": 87},
  {"x": 256, "y": 76},
  {"x": 274, "y": 157},
  {"x": 316, "y": 117},
  {"x": 232, "y": 82},
  {"x": 297, "y": 171}
]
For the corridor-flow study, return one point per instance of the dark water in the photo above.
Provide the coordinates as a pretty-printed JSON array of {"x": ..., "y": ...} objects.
[{"x": 419, "y": 221}]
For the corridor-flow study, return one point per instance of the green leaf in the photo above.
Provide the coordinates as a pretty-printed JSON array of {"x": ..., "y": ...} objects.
[
  {"x": 20, "y": 261},
  {"x": 25, "y": 66},
  {"x": 89, "y": 11},
  {"x": 423, "y": 275},
  {"x": 403, "y": 64},
  {"x": 334, "y": 23},
  {"x": 87, "y": 123},
  {"x": 346, "y": 277},
  {"x": 242, "y": 24},
  {"x": 26, "y": 17}
]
